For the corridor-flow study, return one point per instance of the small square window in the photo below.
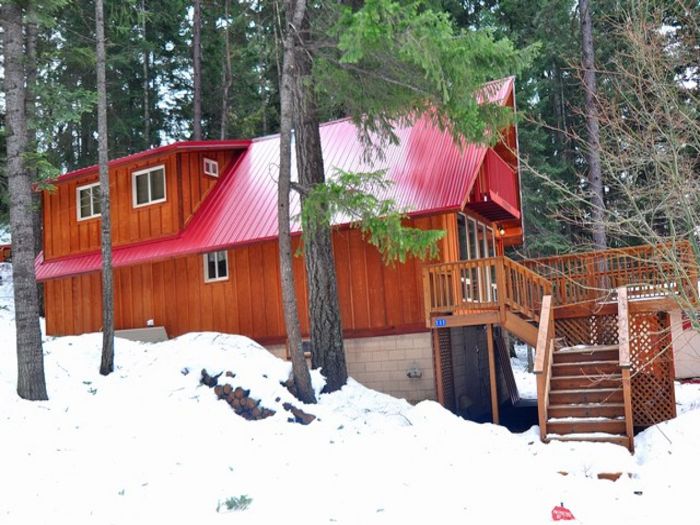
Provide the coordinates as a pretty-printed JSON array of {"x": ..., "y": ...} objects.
[
  {"x": 149, "y": 186},
  {"x": 216, "y": 266},
  {"x": 211, "y": 167},
  {"x": 88, "y": 204}
]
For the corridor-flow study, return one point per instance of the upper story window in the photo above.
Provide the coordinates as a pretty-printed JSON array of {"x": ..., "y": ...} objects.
[
  {"x": 88, "y": 201},
  {"x": 211, "y": 167},
  {"x": 216, "y": 266},
  {"x": 148, "y": 186}
]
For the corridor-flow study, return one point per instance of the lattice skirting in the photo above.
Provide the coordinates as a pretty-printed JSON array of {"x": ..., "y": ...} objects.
[
  {"x": 442, "y": 346},
  {"x": 653, "y": 395},
  {"x": 591, "y": 330}
]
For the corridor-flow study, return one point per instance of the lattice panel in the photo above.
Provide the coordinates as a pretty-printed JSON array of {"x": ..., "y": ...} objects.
[
  {"x": 591, "y": 330},
  {"x": 446, "y": 372},
  {"x": 653, "y": 395}
]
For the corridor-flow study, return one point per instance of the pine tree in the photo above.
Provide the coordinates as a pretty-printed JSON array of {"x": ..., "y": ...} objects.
[
  {"x": 31, "y": 382},
  {"x": 107, "y": 362},
  {"x": 294, "y": 13}
]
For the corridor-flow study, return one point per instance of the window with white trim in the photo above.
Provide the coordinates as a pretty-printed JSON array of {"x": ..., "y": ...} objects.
[
  {"x": 88, "y": 201},
  {"x": 148, "y": 186},
  {"x": 215, "y": 266},
  {"x": 211, "y": 167}
]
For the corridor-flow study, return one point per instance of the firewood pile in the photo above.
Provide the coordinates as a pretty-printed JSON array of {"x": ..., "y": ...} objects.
[
  {"x": 246, "y": 406},
  {"x": 241, "y": 402}
]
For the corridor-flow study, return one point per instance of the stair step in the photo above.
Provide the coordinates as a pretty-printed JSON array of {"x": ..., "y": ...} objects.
[
  {"x": 582, "y": 354},
  {"x": 585, "y": 395},
  {"x": 588, "y": 368},
  {"x": 586, "y": 348},
  {"x": 581, "y": 381},
  {"x": 576, "y": 425},
  {"x": 587, "y": 410},
  {"x": 596, "y": 438}
]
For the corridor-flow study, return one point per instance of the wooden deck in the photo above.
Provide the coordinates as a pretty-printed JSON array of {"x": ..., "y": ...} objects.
[{"x": 596, "y": 300}]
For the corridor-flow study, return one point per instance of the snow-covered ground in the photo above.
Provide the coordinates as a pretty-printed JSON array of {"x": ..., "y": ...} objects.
[
  {"x": 526, "y": 381},
  {"x": 148, "y": 444},
  {"x": 4, "y": 234}
]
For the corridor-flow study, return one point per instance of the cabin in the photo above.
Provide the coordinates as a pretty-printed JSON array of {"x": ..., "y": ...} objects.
[{"x": 194, "y": 229}]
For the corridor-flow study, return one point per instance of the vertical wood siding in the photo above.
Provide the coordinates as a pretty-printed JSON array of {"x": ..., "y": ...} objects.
[
  {"x": 374, "y": 298},
  {"x": 64, "y": 234}
]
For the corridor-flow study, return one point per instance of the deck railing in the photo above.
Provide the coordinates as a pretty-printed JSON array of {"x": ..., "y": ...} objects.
[
  {"x": 647, "y": 271},
  {"x": 481, "y": 285}
]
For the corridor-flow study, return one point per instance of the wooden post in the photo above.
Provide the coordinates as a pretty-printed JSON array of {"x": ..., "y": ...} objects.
[
  {"x": 623, "y": 320},
  {"x": 492, "y": 375},
  {"x": 439, "y": 387}
]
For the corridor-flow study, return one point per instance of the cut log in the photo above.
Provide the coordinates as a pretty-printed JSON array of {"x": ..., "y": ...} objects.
[{"x": 299, "y": 415}]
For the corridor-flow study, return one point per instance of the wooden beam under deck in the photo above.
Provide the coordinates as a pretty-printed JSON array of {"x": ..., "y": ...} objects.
[{"x": 473, "y": 319}]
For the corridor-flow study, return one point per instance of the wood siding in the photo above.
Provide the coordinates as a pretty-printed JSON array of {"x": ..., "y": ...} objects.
[
  {"x": 186, "y": 186},
  {"x": 374, "y": 298}
]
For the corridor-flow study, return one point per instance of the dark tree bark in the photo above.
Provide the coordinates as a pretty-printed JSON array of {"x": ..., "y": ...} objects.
[
  {"x": 294, "y": 12},
  {"x": 197, "y": 69},
  {"x": 327, "y": 351},
  {"x": 595, "y": 175},
  {"x": 31, "y": 34},
  {"x": 146, "y": 83},
  {"x": 228, "y": 77},
  {"x": 31, "y": 382},
  {"x": 107, "y": 363}
]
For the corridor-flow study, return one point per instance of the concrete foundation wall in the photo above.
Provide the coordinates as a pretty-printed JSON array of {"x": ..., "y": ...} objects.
[{"x": 382, "y": 363}]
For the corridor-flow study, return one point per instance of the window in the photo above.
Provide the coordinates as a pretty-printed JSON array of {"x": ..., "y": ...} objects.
[
  {"x": 211, "y": 167},
  {"x": 88, "y": 198},
  {"x": 148, "y": 186},
  {"x": 216, "y": 266}
]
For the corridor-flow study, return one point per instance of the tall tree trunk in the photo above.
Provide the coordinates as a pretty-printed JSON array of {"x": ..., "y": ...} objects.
[
  {"x": 30, "y": 105},
  {"x": 228, "y": 78},
  {"x": 107, "y": 364},
  {"x": 31, "y": 382},
  {"x": 197, "y": 69},
  {"x": 595, "y": 175},
  {"x": 146, "y": 83},
  {"x": 327, "y": 349},
  {"x": 302, "y": 379}
]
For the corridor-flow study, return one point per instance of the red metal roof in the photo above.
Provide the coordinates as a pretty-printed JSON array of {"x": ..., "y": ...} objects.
[{"x": 429, "y": 173}]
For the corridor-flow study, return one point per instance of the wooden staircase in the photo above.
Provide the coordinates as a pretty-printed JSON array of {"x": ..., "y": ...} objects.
[
  {"x": 584, "y": 391},
  {"x": 586, "y": 398},
  {"x": 582, "y": 359}
]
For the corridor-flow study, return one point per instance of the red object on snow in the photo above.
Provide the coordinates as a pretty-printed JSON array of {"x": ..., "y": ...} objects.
[{"x": 561, "y": 513}]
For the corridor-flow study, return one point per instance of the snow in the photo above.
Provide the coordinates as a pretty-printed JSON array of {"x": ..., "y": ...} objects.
[
  {"x": 149, "y": 444},
  {"x": 526, "y": 381},
  {"x": 5, "y": 237}
]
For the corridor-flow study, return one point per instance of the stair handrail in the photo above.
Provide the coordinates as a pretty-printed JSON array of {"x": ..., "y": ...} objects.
[
  {"x": 524, "y": 288},
  {"x": 623, "y": 320},
  {"x": 543, "y": 361}
]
